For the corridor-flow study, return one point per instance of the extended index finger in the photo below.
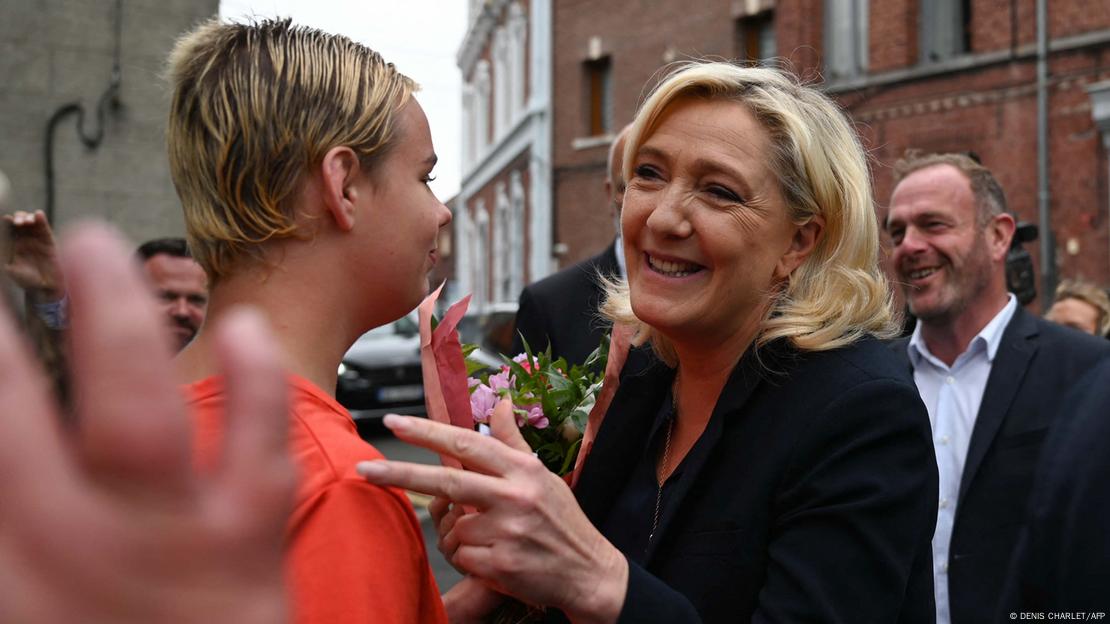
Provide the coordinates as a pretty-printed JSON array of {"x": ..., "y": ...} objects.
[
  {"x": 474, "y": 450},
  {"x": 461, "y": 486}
]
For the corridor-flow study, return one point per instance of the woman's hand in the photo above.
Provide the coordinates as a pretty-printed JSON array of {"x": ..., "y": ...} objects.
[
  {"x": 444, "y": 516},
  {"x": 526, "y": 536},
  {"x": 469, "y": 601}
]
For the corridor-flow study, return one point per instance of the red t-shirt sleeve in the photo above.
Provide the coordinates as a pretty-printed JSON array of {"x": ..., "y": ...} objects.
[{"x": 356, "y": 555}]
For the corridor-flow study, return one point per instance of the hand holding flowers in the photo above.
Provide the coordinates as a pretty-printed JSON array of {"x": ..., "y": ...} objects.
[{"x": 527, "y": 537}]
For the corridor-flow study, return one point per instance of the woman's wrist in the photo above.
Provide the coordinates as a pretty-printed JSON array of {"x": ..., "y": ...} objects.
[{"x": 601, "y": 596}]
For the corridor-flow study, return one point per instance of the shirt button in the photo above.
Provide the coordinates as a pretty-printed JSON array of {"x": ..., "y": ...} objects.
[
  {"x": 944, "y": 567},
  {"x": 944, "y": 440},
  {"x": 944, "y": 505},
  {"x": 950, "y": 380}
]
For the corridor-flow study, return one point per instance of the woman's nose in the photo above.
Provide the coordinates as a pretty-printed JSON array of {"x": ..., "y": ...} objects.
[{"x": 670, "y": 216}]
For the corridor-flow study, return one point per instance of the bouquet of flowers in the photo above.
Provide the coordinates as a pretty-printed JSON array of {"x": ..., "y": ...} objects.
[
  {"x": 559, "y": 407},
  {"x": 552, "y": 400}
]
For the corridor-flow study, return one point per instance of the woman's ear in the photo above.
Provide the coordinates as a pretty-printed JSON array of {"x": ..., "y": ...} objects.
[
  {"x": 801, "y": 245},
  {"x": 339, "y": 172}
]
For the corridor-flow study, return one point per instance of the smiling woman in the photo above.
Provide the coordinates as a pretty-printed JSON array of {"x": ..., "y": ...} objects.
[{"x": 767, "y": 459}]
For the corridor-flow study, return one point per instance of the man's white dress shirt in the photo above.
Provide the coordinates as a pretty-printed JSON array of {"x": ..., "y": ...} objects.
[{"x": 952, "y": 395}]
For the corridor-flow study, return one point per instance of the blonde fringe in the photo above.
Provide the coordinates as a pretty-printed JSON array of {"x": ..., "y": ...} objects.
[{"x": 254, "y": 107}]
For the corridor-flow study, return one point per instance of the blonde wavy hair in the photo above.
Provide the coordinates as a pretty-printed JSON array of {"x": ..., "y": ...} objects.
[
  {"x": 254, "y": 107},
  {"x": 839, "y": 294}
]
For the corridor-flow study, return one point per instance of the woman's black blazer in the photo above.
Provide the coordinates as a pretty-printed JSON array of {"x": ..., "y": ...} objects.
[{"x": 815, "y": 500}]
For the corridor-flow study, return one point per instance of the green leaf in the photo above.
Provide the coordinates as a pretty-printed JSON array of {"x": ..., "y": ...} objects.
[{"x": 571, "y": 456}]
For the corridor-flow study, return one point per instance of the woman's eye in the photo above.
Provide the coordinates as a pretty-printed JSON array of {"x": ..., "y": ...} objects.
[
  {"x": 725, "y": 194},
  {"x": 646, "y": 171},
  {"x": 429, "y": 178}
]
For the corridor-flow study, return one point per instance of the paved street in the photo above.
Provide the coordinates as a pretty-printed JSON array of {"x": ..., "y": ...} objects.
[{"x": 391, "y": 447}]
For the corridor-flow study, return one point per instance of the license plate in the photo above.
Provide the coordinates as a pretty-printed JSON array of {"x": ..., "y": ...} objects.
[{"x": 393, "y": 394}]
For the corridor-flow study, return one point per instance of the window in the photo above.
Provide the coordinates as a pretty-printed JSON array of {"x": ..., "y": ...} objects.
[
  {"x": 482, "y": 105},
  {"x": 755, "y": 37},
  {"x": 502, "y": 230},
  {"x": 846, "y": 38},
  {"x": 944, "y": 29},
  {"x": 480, "y": 257},
  {"x": 501, "y": 80},
  {"x": 599, "y": 97},
  {"x": 469, "y": 138},
  {"x": 518, "y": 33},
  {"x": 516, "y": 235}
]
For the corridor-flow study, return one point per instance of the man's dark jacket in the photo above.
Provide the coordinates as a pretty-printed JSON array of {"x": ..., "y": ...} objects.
[
  {"x": 1062, "y": 561},
  {"x": 1037, "y": 363},
  {"x": 563, "y": 308}
]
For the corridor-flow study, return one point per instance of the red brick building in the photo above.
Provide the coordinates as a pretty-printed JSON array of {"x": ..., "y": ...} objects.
[{"x": 944, "y": 75}]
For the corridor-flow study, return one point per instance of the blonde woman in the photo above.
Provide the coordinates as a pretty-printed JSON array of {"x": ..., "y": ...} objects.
[{"x": 770, "y": 461}]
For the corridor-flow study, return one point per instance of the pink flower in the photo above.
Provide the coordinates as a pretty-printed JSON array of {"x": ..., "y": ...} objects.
[
  {"x": 522, "y": 359},
  {"x": 482, "y": 402},
  {"x": 502, "y": 381},
  {"x": 534, "y": 417}
]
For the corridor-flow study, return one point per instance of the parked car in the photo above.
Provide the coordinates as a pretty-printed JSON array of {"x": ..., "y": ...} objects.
[
  {"x": 381, "y": 374},
  {"x": 492, "y": 330}
]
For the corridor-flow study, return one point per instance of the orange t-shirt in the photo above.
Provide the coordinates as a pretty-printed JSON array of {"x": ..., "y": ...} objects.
[{"x": 355, "y": 551}]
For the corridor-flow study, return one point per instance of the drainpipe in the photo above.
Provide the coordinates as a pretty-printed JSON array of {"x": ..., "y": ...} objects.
[
  {"x": 1100, "y": 114},
  {"x": 1048, "y": 239}
]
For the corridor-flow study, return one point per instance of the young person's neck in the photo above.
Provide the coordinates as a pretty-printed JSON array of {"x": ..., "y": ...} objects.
[{"x": 311, "y": 321}]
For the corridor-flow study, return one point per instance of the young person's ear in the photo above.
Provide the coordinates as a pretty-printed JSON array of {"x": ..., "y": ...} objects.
[{"x": 339, "y": 172}]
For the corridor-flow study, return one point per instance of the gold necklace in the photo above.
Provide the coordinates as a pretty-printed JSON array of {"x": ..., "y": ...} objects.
[{"x": 666, "y": 458}]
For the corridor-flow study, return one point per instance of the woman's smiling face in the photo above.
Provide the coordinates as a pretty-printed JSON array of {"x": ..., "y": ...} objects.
[{"x": 707, "y": 232}]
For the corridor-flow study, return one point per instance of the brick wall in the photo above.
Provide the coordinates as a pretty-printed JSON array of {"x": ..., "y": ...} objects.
[
  {"x": 892, "y": 38},
  {"x": 988, "y": 109},
  {"x": 639, "y": 38}
]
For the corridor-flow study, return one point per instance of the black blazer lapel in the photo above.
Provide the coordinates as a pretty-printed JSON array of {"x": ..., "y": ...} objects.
[
  {"x": 621, "y": 440},
  {"x": 1007, "y": 372},
  {"x": 743, "y": 381}
]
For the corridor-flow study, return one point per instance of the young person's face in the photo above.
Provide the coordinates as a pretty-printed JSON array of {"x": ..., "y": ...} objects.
[{"x": 404, "y": 216}]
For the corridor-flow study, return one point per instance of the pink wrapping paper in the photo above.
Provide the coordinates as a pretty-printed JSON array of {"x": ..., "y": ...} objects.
[
  {"x": 619, "y": 343},
  {"x": 446, "y": 395}
]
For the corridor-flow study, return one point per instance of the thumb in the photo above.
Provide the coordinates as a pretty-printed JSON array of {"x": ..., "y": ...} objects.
[{"x": 503, "y": 426}]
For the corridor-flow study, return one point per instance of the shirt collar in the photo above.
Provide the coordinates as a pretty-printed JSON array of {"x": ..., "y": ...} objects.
[
  {"x": 990, "y": 335},
  {"x": 618, "y": 248}
]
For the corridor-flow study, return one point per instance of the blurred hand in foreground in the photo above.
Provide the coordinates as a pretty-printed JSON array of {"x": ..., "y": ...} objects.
[{"x": 115, "y": 525}]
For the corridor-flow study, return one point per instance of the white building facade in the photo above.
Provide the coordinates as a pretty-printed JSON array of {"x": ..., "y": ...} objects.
[{"x": 502, "y": 221}]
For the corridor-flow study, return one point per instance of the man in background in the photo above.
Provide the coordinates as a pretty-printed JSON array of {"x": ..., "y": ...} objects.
[
  {"x": 174, "y": 277},
  {"x": 562, "y": 309},
  {"x": 179, "y": 283},
  {"x": 1082, "y": 306},
  {"x": 991, "y": 375}
]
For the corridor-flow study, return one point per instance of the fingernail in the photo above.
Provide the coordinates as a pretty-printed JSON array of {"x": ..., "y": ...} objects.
[
  {"x": 395, "y": 422},
  {"x": 371, "y": 469}
]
